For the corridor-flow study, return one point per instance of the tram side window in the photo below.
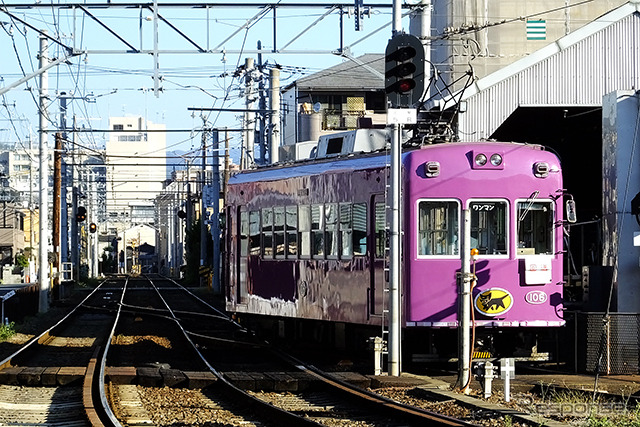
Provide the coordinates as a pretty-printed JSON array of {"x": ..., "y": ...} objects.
[
  {"x": 278, "y": 231},
  {"x": 304, "y": 230},
  {"x": 267, "y": 233},
  {"x": 535, "y": 228},
  {"x": 438, "y": 228},
  {"x": 317, "y": 231},
  {"x": 331, "y": 230},
  {"x": 346, "y": 230},
  {"x": 381, "y": 234},
  {"x": 244, "y": 233},
  {"x": 291, "y": 222},
  {"x": 254, "y": 230},
  {"x": 360, "y": 229},
  {"x": 489, "y": 227}
]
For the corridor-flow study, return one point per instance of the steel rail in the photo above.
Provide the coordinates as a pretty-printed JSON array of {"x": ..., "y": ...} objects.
[
  {"x": 260, "y": 405},
  {"x": 421, "y": 416},
  {"x": 44, "y": 336},
  {"x": 100, "y": 383}
]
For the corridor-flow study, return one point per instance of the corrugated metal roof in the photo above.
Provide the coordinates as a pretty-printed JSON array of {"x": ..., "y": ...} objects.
[
  {"x": 348, "y": 75},
  {"x": 576, "y": 70}
]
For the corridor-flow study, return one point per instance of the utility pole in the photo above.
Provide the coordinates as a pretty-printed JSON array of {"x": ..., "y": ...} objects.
[
  {"x": 55, "y": 219},
  {"x": 203, "y": 204},
  {"x": 92, "y": 218},
  {"x": 64, "y": 212},
  {"x": 249, "y": 115},
  {"x": 75, "y": 253},
  {"x": 262, "y": 105},
  {"x": 420, "y": 26},
  {"x": 43, "y": 272},
  {"x": 274, "y": 100},
  {"x": 227, "y": 163},
  {"x": 32, "y": 231},
  {"x": 215, "y": 217}
]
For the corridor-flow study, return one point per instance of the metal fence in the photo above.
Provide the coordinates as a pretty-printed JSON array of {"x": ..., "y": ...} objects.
[{"x": 606, "y": 345}]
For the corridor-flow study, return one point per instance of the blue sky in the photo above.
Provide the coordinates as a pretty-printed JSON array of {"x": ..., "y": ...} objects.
[{"x": 122, "y": 84}]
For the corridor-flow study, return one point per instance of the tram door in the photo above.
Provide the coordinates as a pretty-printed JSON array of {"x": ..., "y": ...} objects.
[
  {"x": 378, "y": 252},
  {"x": 242, "y": 253}
]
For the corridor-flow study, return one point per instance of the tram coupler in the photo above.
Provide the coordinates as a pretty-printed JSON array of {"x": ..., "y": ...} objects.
[
  {"x": 379, "y": 350},
  {"x": 485, "y": 372}
]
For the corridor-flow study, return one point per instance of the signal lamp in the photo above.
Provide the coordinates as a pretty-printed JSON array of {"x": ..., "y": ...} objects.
[{"x": 81, "y": 214}]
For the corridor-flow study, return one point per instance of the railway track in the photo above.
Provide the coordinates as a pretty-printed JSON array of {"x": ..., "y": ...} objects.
[
  {"x": 288, "y": 391},
  {"x": 131, "y": 338},
  {"x": 58, "y": 365}
]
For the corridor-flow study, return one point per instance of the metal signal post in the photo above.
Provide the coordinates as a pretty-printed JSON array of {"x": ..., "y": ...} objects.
[{"x": 404, "y": 83}]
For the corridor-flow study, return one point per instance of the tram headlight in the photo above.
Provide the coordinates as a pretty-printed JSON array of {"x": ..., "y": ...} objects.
[
  {"x": 496, "y": 159},
  {"x": 481, "y": 159}
]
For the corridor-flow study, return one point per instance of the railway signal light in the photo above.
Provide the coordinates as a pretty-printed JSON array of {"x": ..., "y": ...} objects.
[
  {"x": 404, "y": 71},
  {"x": 92, "y": 227},
  {"x": 81, "y": 214}
]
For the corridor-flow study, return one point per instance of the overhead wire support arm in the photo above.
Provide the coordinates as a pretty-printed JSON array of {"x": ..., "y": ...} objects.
[
  {"x": 313, "y": 24},
  {"x": 36, "y": 73},
  {"x": 69, "y": 49},
  {"x": 177, "y": 30},
  {"x": 231, "y": 110},
  {"x": 106, "y": 27},
  {"x": 362, "y": 64},
  {"x": 258, "y": 16}
]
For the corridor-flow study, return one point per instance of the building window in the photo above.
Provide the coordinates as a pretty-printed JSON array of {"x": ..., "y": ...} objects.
[{"x": 118, "y": 127}]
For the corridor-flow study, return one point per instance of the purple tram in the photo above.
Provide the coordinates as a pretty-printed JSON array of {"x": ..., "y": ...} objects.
[{"x": 308, "y": 240}]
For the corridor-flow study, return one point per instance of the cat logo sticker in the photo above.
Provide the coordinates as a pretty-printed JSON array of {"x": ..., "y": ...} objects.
[{"x": 493, "y": 302}]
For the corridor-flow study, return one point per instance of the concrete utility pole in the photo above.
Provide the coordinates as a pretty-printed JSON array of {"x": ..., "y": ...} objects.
[
  {"x": 55, "y": 220},
  {"x": 64, "y": 212},
  {"x": 215, "y": 218},
  {"x": 203, "y": 204},
  {"x": 262, "y": 105},
  {"x": 420, "y": 26},
  {"x": 249, "y": 115},
  {"x": 274, "y": 101},
  {"x": 93, "y": 218},
  {"x": 43, "y": 272}
]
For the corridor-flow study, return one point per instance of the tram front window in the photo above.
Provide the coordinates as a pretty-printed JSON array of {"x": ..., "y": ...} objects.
[
  {"x": 489, "y": 227},
  {"x": 438, "y": 227},
  {"x": 535, "y": 227}
]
